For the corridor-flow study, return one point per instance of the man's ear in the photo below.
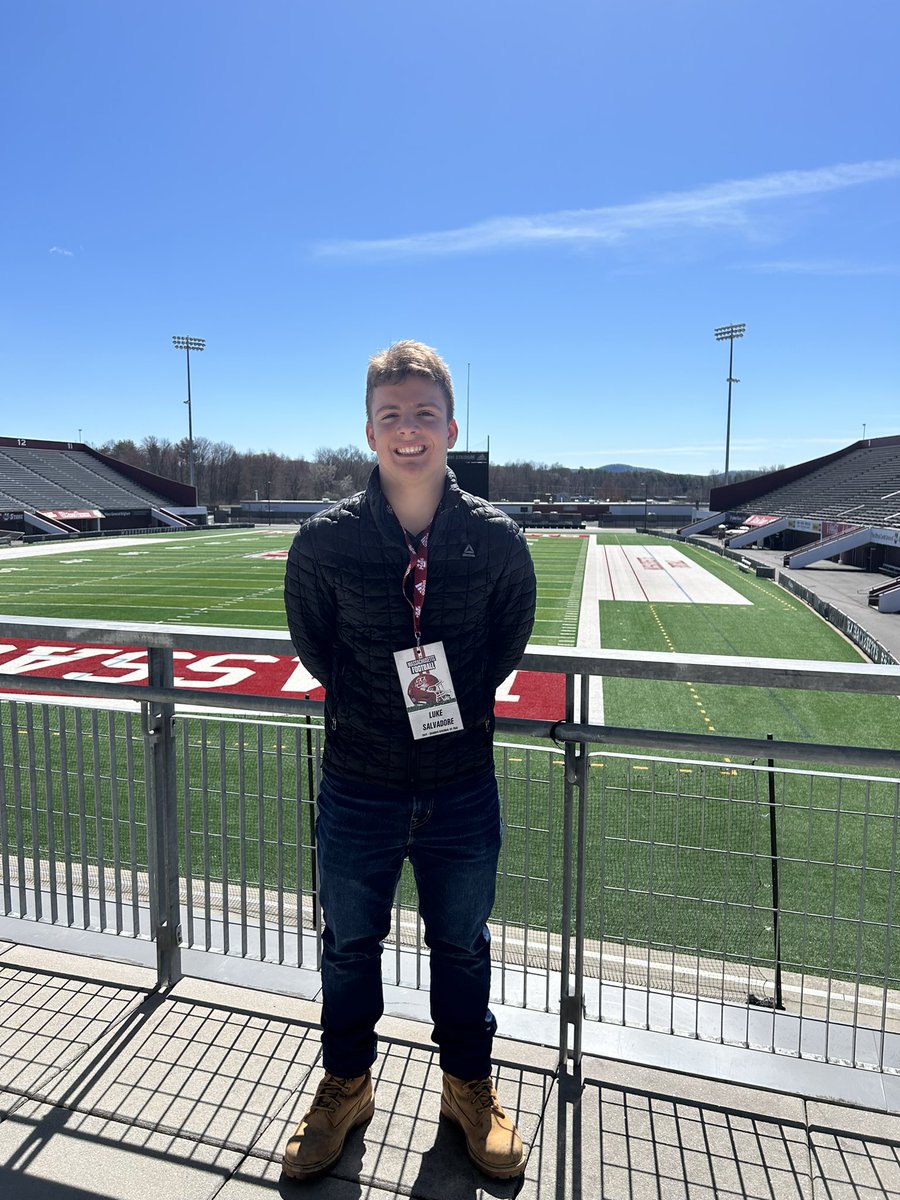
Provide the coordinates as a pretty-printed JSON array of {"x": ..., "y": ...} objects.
[
  {"x": 370, "y": 435},
  {"x": 452, "y": 434}
]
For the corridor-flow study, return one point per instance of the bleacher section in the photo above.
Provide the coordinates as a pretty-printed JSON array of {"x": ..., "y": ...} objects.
[
  {"x": 861, "y": 487},
  {"x": 844, "y": 506},
  {"x": 68, "y": 479},
  {"x": 61, "y": 488}
]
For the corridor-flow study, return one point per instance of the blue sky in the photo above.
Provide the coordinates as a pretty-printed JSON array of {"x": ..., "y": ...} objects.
[{"x": 570, "y": 198}]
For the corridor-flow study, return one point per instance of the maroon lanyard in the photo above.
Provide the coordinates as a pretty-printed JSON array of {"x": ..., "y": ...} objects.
[{"x": 418, "y": 568}]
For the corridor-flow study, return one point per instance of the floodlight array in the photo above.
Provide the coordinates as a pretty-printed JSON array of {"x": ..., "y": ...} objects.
[{"x": 726, "y": 332}]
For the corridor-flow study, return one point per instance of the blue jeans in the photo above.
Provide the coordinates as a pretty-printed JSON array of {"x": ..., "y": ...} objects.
[{"x": 452, "y": 836}]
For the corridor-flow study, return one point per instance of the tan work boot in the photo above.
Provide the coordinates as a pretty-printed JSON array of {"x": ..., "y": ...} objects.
[
  {"x": 492, "y": 1139},
  {"x": 339, "y": 1106}
]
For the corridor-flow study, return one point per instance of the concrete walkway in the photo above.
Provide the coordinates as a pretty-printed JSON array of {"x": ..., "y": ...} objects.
[{"x": 109, "y": 1090}]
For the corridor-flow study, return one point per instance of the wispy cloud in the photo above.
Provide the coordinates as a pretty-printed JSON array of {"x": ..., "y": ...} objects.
[
  {"x": 821, "y": 267},
  {"x": 60, "y": 250},
  {"x": 719, "y": 205}
]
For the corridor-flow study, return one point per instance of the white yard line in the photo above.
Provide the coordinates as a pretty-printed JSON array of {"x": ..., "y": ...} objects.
[
  {"x": 81, "y": 545},
  {"x": 589, "y": 630}
]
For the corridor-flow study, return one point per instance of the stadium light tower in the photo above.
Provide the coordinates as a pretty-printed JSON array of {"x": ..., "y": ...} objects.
[
  {"x": 187, "y": 344},
  {"x": 727, "y": 333}
]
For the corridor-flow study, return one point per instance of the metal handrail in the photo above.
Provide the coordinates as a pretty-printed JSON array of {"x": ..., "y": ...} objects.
[
  {"x": 158, "y": 701},
  {"x": 726, "y": 670}
]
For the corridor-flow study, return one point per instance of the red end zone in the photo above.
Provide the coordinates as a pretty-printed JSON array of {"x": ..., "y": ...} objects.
[{"x": 523, "y": 694}]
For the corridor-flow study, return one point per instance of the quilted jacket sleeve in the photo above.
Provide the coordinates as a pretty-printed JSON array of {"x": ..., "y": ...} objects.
[
  {"x": 512, "y": 608},
  {"x": 310, "y": 605}
]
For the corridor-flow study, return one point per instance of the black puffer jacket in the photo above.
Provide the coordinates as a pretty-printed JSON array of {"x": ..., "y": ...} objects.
[{"x": 347, "y": 614}]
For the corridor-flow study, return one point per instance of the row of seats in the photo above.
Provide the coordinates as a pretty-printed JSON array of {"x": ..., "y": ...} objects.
[
  {"x": 48, "y": 479},
  {"x": 855, "y": 488}
]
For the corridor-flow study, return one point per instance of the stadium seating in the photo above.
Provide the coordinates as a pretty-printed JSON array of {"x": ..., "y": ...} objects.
[
  {"x": 52, "y": 479},
  {"x": 861, "y": 488}
]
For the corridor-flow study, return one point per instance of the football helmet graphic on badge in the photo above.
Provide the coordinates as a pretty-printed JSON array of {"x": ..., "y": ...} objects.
[{"x": 425, "y": 688}]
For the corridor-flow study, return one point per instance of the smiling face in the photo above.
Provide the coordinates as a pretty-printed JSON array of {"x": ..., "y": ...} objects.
[{"x": 410, "y": 433}]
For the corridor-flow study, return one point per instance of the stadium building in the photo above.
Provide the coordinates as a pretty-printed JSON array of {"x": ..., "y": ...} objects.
[
  {"x": 68, "y": 489},
  {"x": 843, "y": 507}
]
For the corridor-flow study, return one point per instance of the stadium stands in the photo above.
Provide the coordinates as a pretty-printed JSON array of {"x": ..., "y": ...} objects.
[
  {"x": 861, "y": 486},
  {"x": 67, "y": 479},
  {"x": 844, "y": 506},
  {"x": 65, "y": 488}
]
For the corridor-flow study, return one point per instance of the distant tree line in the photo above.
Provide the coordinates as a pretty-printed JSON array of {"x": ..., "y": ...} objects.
[
  {"x": 225, "y": 475},
  {"x": 536, "y": 481}
]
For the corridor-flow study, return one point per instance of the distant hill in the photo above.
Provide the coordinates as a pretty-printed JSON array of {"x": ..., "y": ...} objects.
[{"x": 617, "y": 468}]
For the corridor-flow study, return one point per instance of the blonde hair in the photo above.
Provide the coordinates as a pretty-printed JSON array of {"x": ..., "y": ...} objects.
[{"x": 407, "y": 358}]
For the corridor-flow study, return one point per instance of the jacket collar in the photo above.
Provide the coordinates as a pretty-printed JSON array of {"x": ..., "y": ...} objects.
[{"x": 387, "y": 523}]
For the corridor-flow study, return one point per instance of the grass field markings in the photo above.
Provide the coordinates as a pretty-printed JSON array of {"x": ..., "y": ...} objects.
[
  {"x": 225, "y": 604},
  {"x": 150, "y": 601},
  {"x": 588, "y": 635},
  {"x": 559, "y": 566},
  {"x": 772, "y": 605},
  {"x": 695, "y": 695},
  {"x": 772, "y": 592},
  {"x": 728, "y": 567},
  {"x": 772, "y": 693},
  {"x": 706, "y": 614},
  {"x": 790, "y": 605},
  {"x": 108, "y": 579},
  {"x": 88, "y": 583},
  {"x": 775, "y": 593},
  {"x": 573, "y": 603}
]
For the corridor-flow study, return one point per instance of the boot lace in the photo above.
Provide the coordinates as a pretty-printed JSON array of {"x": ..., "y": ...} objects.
[
  {"x": 484, "y": 1096},
  {"x": 330, "y": 1093}
]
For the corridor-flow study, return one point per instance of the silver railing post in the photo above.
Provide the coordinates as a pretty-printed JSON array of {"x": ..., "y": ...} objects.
[
  {"x": 571, "y": 1000},
  {"x": 162, "y": 822},
  {"x": 582, "y": 762}
]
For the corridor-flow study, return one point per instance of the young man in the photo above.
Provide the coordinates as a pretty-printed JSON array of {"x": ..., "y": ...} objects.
[{"x": 411, "y": 602}]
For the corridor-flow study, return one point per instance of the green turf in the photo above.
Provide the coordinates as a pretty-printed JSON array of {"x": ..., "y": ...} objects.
[
  {"x": 777, "y": 625},
  {"x": 201, "y": 579},
  {"x": 219, "y": 579},
  {"x": 559, "y": 567}
]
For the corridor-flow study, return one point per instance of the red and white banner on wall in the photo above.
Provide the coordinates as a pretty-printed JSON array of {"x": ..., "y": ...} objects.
[
  {"x": 523, "y": 694},
  {"x": 70, "y": 514}
]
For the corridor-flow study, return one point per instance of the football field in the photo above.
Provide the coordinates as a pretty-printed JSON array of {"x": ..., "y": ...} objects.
[
  {"x": 231, "y": 578},
  {"x": 656, "y": 830},
  {"x": 650, "y": 594}
]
